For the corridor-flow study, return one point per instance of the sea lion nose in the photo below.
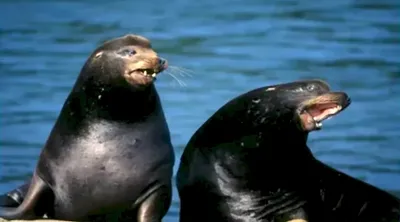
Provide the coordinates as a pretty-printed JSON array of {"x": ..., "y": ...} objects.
[
  {"x": 162, "y": 63},
  {"x": 348, "y": 100}
]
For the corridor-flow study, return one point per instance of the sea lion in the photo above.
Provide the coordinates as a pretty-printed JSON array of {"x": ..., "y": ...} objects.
[
  {"x": 109, "y": 155},
  {"x": 250, "y": 162},
  {"x": 14, "y": 197}
]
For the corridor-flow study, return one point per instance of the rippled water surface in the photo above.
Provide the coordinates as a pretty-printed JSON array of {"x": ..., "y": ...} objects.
[{"x": 230, "y": 47}]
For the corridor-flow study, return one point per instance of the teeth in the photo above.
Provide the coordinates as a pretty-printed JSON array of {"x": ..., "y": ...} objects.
[{"x": 331, "y": 111}]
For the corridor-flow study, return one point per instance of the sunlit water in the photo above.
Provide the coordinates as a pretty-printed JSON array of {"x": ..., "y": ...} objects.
[{"x": 231, "y": 47}]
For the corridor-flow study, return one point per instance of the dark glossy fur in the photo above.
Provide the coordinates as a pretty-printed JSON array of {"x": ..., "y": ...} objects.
[
  {"x": 109, "y": 156},
  {"x": 14, "y": 197},
  {"x": 250, "y": 162}
]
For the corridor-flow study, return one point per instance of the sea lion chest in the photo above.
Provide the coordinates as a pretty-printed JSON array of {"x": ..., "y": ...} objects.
[{"x": 106, "y": 164}]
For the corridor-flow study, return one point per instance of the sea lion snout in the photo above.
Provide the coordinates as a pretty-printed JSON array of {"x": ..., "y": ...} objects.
[
  {"x": 143, "y": 67},
  {"x": 319, "y": 108}
]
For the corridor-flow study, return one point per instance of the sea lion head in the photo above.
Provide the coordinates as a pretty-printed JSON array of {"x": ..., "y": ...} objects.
[
  {"x": 315, "y": 103},
  {"x": 128, "y": 60},
  {"x": 301, "y": 104},
  {"x": 269, "y": 113}
]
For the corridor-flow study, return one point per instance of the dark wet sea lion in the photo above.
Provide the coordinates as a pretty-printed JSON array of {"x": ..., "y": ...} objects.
[
  {"x": 14, "y": 197},
  {"x": 250, "y": 162},
  {"x": 109, "y": 155}
]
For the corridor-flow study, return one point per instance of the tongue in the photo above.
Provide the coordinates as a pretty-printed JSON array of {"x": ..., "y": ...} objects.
[{"x": 319, "y": 111}]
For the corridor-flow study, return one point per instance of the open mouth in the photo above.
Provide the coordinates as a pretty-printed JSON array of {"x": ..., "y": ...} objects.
[
  {"x": 320, "y": 112},
  {"x": 151, "y": 72},
  {"x": 146, "y": 72},
  {"x": 322, "y": 108}
]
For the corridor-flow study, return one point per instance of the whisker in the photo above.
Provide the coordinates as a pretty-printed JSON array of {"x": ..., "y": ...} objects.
[
  {"x": 180, "y": 82},
  {"x": 182, "y": 71}
]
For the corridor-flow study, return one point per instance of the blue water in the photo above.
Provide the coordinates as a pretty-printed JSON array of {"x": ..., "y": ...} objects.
[{"x": 230, "y": 47}]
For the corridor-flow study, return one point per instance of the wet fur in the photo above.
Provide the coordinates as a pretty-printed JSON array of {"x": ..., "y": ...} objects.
[
  {"x": 250, "y": 162},
  {"x": 109, "y": 155}
]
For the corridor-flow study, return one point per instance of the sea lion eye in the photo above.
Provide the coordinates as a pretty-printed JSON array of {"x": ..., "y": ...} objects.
[
  {"x": 128, "y": 52},
  {"x": 311, "y": 87}
]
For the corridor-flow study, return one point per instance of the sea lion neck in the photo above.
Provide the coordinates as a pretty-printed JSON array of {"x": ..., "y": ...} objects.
[
  {"x": 109, "y": 103},
  {"x": 241, "y": 166}
]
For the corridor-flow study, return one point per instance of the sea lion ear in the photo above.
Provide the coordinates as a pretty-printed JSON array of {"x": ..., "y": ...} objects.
[{"x": 98, "y": 55}]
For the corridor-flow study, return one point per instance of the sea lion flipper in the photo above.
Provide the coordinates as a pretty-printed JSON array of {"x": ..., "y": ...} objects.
[
  {"x": 27, "y": 209},
  {"x": 155, "y": 206},
  {"x": 7, "y": 201},
  {"x": 14, "y": 197}
]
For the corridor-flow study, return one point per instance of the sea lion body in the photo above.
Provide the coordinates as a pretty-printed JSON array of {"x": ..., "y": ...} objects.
[
  {"x": 109, "y": 155},
  {"x": 250, "y": 162},
  {"x": 14, "y": 197}
]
